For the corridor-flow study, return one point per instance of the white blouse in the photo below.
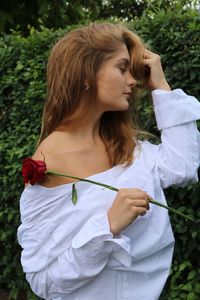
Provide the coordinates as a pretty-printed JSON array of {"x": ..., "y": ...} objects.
[{"x": 69, "y": 252}]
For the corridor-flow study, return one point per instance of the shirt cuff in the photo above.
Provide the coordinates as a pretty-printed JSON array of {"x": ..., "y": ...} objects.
[
  {"x": 174, "y": 108},
  {"x": 97, "y": 236}
]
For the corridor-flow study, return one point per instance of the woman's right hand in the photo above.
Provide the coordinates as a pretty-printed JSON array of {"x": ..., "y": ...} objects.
[{"x": 127, "y": 206}]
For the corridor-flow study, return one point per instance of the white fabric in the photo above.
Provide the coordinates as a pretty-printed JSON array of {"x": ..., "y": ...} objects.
[{"x": 69, "y": 252}]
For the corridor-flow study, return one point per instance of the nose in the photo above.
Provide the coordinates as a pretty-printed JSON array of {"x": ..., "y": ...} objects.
[{"x": 131, "y": 81}]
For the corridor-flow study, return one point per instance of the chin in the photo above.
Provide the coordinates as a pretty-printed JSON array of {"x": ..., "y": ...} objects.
[
  {"x": 123, "y": 106},
  {"x": 120, "y": 107}
]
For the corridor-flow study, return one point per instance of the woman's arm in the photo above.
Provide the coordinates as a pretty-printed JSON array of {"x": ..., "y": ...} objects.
[
  {"x": 76, "y": 266},
  {"x": 52, "y": 267},
  {"x": 178, "y": 156}
]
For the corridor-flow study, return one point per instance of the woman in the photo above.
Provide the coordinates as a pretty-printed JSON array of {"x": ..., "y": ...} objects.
[{"x": 109, "y": 245}]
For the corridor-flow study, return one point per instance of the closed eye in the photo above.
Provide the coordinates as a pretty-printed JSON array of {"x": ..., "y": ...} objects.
[
  {"x": 123, "y": 65},
  {"x": 123, "y": 70}
]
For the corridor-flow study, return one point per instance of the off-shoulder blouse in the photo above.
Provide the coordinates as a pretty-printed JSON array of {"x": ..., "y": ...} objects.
[{"x": 69, "y": 252}]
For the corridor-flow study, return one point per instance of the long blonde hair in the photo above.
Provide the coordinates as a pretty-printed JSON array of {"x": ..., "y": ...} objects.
[{"x": 77, "y": 57}]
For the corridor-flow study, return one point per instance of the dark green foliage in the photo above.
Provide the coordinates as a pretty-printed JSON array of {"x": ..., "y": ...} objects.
[
  {"x": 60, "y": 13},
  {"x": 21, "y": 15},
  {"x": 22, "y": 92}
]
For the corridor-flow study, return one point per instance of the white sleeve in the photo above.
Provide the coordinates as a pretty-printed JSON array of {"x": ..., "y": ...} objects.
[
  {"x": 86, "y": 257},
  {"x": 178, "y": 156}
]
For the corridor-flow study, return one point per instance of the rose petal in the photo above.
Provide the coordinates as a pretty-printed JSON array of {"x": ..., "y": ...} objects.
[{"x": 33, "y": 170}]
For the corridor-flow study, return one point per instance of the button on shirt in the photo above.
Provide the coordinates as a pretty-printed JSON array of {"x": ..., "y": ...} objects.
[{"x": 69, "y": 252}]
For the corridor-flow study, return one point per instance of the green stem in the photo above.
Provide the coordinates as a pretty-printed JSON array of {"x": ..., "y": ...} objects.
[
  {"x": 82, "y": 179},
  {"x": 174, "y": 210},
  {"x": 116, "y": 189}
]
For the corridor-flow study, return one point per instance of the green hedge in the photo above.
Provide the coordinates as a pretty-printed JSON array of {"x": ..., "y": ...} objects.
[{"x": 22, "y": 92}]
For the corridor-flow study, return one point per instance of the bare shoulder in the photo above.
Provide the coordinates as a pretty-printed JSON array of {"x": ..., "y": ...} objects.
[
  {"x": 51, "y": 150},
  {"x": 51, "y": 147},
  {"x": 47, "y": 146}
]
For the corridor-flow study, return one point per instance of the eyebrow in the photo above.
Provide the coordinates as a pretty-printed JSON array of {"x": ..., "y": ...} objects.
[{"x": 124, "y": 60}]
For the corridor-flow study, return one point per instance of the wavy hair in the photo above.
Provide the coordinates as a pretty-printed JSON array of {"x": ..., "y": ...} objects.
[{"x": 77, "y": 57}]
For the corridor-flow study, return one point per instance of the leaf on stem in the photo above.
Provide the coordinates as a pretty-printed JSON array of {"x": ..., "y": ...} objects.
[{"x": 74, "y": 194}]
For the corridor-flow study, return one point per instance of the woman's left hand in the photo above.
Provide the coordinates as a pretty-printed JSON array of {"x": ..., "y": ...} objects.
[{"x": 157, "y": 78}]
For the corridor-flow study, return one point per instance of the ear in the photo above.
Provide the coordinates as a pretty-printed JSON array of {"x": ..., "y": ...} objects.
[{"x": 86, "y": 85}]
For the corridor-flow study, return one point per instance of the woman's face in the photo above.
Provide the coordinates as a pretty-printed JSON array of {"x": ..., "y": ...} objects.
[{"x": 115, "y": 82}]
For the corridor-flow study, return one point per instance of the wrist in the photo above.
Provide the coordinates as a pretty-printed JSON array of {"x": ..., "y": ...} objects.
[
  {"x": 163, "y": 86},
  {"x": 113, "y": 227}
]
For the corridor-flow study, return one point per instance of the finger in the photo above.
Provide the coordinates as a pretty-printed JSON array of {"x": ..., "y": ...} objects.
[
  {"x": 147, "y": 205},
  {"x": 138, "y": 194},
  {"x": 135, "y": 194},
  {"x": 142, "y": 211},
  {"x": 142, "y": 214},
  {"x": 150, "y": 62},
  {"x": 149, "y": 54},
  {"x": 148, "y": 51},
  {"x": 131, "y": 193},
  {"x": 140, "y": 203},
  {"x": 148, "y": 196}
]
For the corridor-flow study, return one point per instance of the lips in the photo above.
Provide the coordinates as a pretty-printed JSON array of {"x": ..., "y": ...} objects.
[{"x": 127, "y": 93}]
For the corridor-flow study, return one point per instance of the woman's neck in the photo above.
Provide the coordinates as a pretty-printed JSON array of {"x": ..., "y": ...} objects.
[{"x": 89, "y": 133}]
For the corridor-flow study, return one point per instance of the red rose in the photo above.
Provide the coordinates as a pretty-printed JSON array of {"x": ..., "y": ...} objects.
[{"x": 33, "y": 170}]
